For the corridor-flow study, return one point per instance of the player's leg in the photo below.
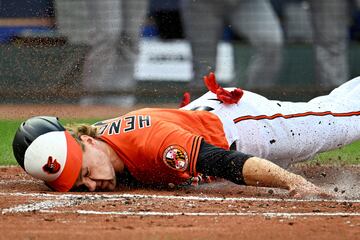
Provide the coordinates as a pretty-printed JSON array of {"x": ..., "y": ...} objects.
[
  {"x": 346, "y": 95},
  {"x": 203, "y": 22},
  {"x": 109, "y": 65},
  {"x": 344, "y": 104},
  {"x": 330, "y": 21},
  {"x": 132, "y": 19},
  {"x": 257, "y": 21},
  {"x": 100, "y": 61},
  {"x": 287, "y": 132}
]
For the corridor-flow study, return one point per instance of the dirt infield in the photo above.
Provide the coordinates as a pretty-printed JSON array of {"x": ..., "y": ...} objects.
[{"x": 221, "y": 210}]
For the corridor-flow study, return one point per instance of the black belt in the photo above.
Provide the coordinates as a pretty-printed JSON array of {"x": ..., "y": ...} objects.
[
  {"x": 233, "y": 146},
  {"x": 202, "y": 108}
]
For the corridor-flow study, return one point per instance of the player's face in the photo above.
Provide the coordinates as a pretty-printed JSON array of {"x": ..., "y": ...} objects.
[{"x": 97, "y": 172}]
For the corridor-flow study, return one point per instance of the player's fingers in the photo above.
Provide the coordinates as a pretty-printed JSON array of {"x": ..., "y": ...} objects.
[
  {"x": 326, "y": 195},
  {"x": 311, "y": 192},
  {"x": 295, "y": 194}
]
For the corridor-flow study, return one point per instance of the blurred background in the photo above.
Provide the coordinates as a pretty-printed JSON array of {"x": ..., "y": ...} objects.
[{"x": 118, "y": 52}]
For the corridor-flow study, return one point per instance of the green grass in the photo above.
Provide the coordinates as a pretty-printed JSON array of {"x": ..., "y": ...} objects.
[
  {"x": 346, "y": 155},
  {"x": 7, "y": 132},
  {"x": 349, "y": 154}
]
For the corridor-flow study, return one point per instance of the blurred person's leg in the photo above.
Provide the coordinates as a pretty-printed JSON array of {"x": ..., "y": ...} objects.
[
  {"x": 109, "y": 66},
  {"x": 203, "y": 25},
  {"x": 133, "y": 14},
  {"x": 72, "y": 22},
  {"x": 257, "y": 21},
  {"x": 101, "y": 60},
  {"x": 330, "y": 30}
]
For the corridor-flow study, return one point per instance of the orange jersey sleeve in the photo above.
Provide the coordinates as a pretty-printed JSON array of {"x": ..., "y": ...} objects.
[{"x": 162, "y": 145}]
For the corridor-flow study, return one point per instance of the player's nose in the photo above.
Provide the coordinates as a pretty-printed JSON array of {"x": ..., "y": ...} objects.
[{"x": 90, "y": 184}]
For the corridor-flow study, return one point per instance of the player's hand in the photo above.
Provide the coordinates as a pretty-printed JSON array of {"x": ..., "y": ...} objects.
[{"x": 306, "y": 189}]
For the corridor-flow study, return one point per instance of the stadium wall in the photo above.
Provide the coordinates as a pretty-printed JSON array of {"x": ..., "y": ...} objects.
[{"x": 52, "y": 74}]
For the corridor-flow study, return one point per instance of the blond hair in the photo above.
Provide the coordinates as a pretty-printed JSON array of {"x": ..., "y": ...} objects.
[{"x": 77, "y": 130}]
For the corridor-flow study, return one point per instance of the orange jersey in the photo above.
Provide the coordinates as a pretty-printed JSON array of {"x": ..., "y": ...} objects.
[{"x": 162, "y": 145}]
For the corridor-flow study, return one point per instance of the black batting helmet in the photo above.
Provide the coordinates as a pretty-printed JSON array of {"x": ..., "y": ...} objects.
[{"x": 29, "y": 131}]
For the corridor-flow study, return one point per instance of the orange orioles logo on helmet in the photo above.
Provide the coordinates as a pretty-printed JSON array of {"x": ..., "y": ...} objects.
[
  {"x": 176, "y": 158},
  {"x": 52, "y": 166}
]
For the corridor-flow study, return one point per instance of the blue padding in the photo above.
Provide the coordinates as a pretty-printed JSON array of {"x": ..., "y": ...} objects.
[{"x": 6, "y": 33}]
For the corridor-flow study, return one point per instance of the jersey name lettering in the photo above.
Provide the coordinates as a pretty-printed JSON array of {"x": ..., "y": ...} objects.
[
  {"x": 115, "y": 127},
  {"x": 144, "y": 121},
  {"x": 126, "y": 124},
  {"x": 130, "y": 123}
]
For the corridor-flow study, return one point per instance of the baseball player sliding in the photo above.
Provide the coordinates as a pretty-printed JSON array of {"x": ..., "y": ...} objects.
[{"x": 227, "y": 133}]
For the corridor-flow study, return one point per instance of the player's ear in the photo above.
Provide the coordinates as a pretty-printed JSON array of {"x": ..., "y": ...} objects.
[{"x": 87, "y": 139}]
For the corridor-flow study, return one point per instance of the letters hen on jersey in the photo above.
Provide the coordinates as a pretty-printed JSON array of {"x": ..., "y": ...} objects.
[{"x": 123, "y": 124}]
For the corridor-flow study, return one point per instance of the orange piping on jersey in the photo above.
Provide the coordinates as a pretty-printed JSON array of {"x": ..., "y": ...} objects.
[
  {"x": 279, "y": 115},
  {"x": 194, "y": 155}
]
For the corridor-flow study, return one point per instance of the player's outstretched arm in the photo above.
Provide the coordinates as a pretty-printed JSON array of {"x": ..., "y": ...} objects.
[
  {"x": 242, "y": 168},
  {"x": 263, "y": 173}
]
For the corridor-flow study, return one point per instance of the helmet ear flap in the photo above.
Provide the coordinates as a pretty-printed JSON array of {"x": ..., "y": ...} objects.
[{"x": 29, "y": 130}]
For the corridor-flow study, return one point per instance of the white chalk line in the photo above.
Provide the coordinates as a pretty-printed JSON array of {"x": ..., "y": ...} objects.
[
  {"x": 37, "y": 206},
  {"x": 209, "y": 214},
  {"x": 65, "y": 200},
  {"x": 98, "y": 196},
  {"x": 48, "y": 204}
]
